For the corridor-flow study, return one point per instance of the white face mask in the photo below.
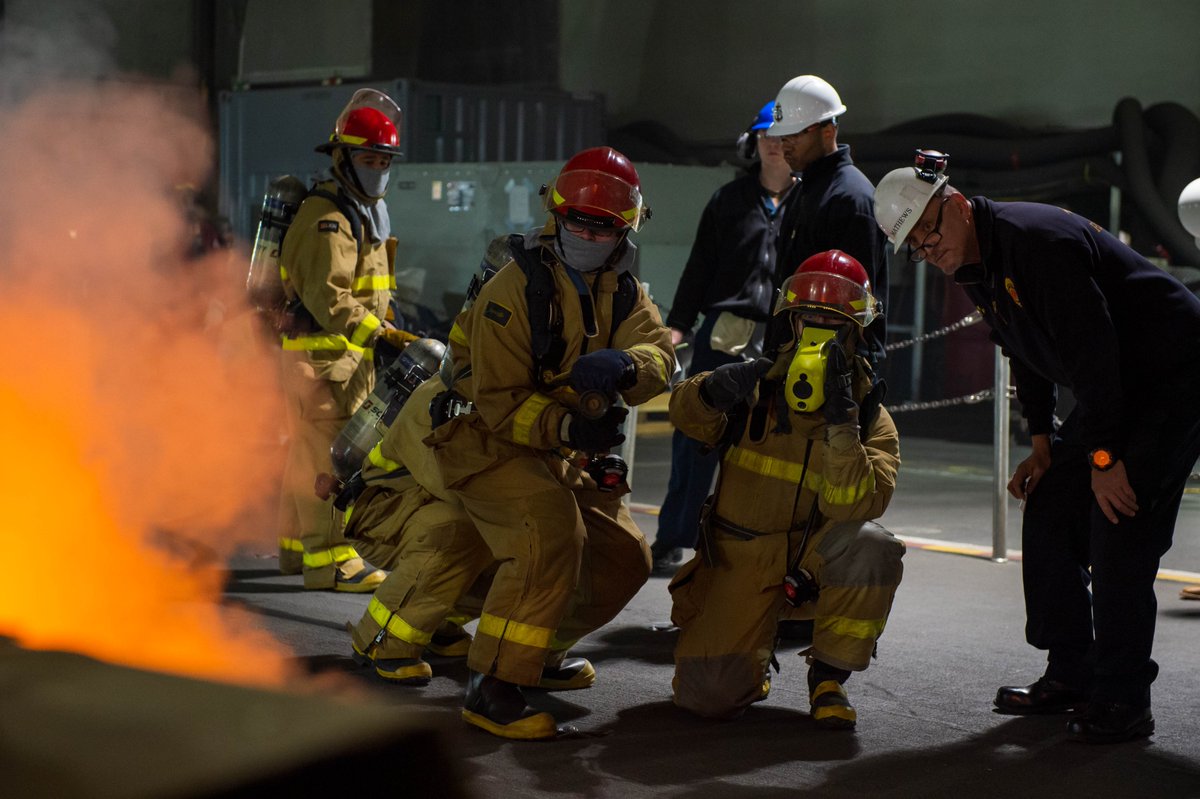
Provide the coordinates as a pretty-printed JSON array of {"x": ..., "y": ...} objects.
[{"x": 584, "y": 255}]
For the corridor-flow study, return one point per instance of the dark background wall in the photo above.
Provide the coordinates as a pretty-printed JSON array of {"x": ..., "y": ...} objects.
[
  {"x": 1024, "y": 93},
  {"x": 698, "y": 67}
]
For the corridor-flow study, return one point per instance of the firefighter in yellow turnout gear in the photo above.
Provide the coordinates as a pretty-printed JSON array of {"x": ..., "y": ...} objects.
[
  {"x": 440, "y": 568},
  {"x": 506, "y": 452},
  {"x": 336, "y": 264},
  {"x": 406, "y": 521},
  {"x": 790, "y": 522}
]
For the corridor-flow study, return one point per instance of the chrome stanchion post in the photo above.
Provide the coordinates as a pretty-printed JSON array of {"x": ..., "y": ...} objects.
[
  {"x": 1000, "y": 439},
  {"x": 918, "y": 328}
]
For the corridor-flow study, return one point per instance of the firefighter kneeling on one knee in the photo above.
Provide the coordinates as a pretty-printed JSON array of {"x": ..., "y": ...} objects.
[
  {"x": 560, "y": 316},
  {"x": 808, "y": 458}
]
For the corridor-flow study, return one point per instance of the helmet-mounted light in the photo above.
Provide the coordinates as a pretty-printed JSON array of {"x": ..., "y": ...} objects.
[{"x": 930, "y": 165}]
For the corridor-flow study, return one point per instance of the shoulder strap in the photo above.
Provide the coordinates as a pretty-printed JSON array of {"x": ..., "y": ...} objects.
[
  {"x": 344, "y": 206},
  {"x": 545, "y": 327},
  {"x": 623, "y": 301}
]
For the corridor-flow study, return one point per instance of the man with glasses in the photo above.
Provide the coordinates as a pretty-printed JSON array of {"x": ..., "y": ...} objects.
[
  {"x": 834, "y": 206},
  {"x": 1073, "y": 306}
]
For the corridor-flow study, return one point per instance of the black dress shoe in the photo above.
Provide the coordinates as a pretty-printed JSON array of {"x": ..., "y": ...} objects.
[
  {"x": 1110, "y": 723},
  {"x": 665, "y": 561},
  {"x": 1042, "y": 697}
]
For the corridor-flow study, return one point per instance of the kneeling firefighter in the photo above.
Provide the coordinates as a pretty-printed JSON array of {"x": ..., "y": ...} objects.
[
  {"x": 403, "y": 518},
  {"x": 337, "y": 266},
  {"x": 561, "y": 316},
  {"x": 808, "y": 458}
]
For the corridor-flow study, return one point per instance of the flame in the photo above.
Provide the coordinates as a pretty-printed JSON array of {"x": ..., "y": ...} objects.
[{"x": 138, "y": 403}]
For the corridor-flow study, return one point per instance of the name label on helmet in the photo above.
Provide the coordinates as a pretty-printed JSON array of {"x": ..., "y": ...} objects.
[{"x": 900, "y": 222}]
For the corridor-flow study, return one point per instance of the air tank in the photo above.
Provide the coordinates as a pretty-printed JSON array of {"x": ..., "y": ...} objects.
[
  {"x": 264, "y": 286},
  {"x": 417, "y": 363}
]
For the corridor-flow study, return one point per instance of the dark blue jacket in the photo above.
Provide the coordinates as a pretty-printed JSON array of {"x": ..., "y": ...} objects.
[
  {"x": 1071, "y": 305},
  {"x": 732, "y": 263},
  {"x": 836, "y": 210}
]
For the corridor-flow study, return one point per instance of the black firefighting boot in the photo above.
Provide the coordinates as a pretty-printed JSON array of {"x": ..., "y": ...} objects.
[
  {"x": 450, "y": 641},
  {"x": 570, "y": 674},
  {"x": 402, "y": 671},
  {"x": 828, "y": 703},
  {"x": 356, "y": 576},
  {"x": 498, "y": 707}
]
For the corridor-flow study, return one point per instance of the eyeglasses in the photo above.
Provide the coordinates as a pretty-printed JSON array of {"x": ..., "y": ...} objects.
[
  {"x": 795, "y": 136},
  {"x": 599, "y": 234},
  {"x": 919, "y": 253}
]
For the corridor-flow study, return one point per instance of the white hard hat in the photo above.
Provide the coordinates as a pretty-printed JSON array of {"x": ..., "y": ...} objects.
[
  {"x": 804, "y": 101},
  {"x": 1189, "y": 208},
  {"x": 900, "y": 199}
]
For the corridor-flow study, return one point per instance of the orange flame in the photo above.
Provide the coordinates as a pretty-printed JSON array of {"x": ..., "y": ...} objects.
[{"x": 137, "y": 403}]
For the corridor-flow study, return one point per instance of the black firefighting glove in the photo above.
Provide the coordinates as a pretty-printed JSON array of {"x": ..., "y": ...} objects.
[
  {"x": 732, "y": 383},
  {"x": 606, "y": 371},
  {"x": 597, "y": 435},
  {"x": 839, "y": 407}
]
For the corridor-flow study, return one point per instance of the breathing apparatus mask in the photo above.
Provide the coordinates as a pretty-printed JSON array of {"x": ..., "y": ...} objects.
[{"x": 804, "y": 387}]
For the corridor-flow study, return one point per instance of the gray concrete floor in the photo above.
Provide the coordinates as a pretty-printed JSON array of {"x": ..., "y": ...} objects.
[{"x": 925, "y": 723}]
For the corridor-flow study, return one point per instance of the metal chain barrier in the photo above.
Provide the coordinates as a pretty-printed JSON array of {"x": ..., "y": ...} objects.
[
  {"x": 969, "y": 399},
  {"x": 966, "y": 321}
]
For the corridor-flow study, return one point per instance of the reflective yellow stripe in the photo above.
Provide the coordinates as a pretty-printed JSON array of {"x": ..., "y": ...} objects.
[
  {"x": 457, "y": 336},
  {"x": 375, "y": 456},
  {"x": 283, "y": 272},
  {"x": 657, "y": 355},
  {"x": 374, "y": 283},
  {"x": 395, "y": 625},
  {"x": 331, "y": 341},
  {"x": 363, "y": 330},
  {"x": 327, "y": 557},
  {"x": 346, "y": 515},
  {"x": 515, "y": 631},
  {"x": 776, "y": 468},
  {"x": 848, "y": 495},
  {"x": 527, "y": 414},
  {"x": 291, "y": 544},
  {"x": 457, "y": 618},
  {"x": 866, "y": 629}
]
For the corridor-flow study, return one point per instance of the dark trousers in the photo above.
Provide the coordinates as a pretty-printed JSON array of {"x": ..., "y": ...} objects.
[
  {"x": 1102, "y": 638},
  {"x": 692, "y": 468}
]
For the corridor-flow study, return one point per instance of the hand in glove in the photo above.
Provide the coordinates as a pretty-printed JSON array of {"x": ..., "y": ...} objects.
[
  {"x": 396, "y": 337},
  {"x": 605, "y": 371},
  {"x": 596, "y": 435},
  {"x": 732, "y": 383},
  {"x": 839, "y": 407}
]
